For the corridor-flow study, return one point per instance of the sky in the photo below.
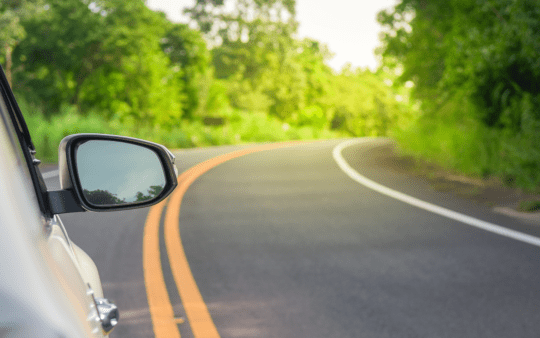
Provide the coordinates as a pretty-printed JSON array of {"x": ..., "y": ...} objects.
[{"x": 348, "y": 27}]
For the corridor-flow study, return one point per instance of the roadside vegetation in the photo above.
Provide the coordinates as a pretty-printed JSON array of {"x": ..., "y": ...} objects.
[
  {"x": 458, "y": 81},
  {"x": 474, "y": 71}
]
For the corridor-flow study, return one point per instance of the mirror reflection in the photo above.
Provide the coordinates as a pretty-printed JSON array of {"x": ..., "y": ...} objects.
[{"x": 114, "y": 172}]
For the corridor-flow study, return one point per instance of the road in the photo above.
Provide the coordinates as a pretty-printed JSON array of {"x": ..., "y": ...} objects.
[{"x": 282, "y": 243}]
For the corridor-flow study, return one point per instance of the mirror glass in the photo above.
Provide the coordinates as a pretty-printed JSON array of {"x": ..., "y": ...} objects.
[{"x": 115, "y": 172}]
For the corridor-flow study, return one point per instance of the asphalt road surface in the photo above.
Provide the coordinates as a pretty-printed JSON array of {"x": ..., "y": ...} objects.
[{"x": 282, "y": 243}]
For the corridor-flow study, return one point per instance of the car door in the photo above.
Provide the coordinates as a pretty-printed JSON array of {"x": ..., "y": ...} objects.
[
  {"x": 42, "y": 290},
  {"x": 98, "y": 173}
]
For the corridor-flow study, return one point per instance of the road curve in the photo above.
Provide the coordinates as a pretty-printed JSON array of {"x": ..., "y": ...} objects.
[{"x": 282, "y": 243}]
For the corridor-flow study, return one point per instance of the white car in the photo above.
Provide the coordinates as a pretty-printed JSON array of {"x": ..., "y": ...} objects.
[{"x": 49, "y": 287}]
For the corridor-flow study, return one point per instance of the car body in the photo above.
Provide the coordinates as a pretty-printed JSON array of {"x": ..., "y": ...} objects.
[{"x": 49, "y": 287}]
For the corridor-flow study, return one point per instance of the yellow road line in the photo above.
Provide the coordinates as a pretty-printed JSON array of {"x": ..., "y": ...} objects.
[
  {"x": 161, "y": 311},
  {"x": 197, "y": 313}
]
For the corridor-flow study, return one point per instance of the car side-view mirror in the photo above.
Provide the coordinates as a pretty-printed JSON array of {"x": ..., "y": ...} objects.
[{"x": 107, "y": 172}]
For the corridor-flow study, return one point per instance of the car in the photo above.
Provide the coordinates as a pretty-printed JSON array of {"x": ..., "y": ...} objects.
[{"x": 49, "y": 287}]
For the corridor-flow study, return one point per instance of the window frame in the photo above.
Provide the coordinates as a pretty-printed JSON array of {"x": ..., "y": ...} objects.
[{"x": 15, "y": 120}]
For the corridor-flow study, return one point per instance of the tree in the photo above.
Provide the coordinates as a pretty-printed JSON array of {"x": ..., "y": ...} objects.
[
  {"x": 485, "y": 50},
  {"x": 153, "y": 192},
  {"x": 218, "y": 24},
  {"x": 415, "y": 33},
  {"x": 104, "y": 56},
  {"x": 11, "y": 29},
  {"x": 187, "y": 50},
  {"x": 102, "y": 197},
  {"x": 138, "y": 84},
  {"x": 63, "y": 46},
  {"x": 254, "y": 50}
]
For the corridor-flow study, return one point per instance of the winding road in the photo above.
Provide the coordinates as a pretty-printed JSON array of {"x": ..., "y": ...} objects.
[{"x": 292, "y": 240}]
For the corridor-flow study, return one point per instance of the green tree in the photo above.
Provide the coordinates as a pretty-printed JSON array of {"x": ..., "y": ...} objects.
[
  {"x": 474, "y": 65},
  {"x": 63, "y": 46},
  {"x": 414, "y": 33},
  {"x": 102, "y": 197},
  {"x": 187, "y": 50},
  {"x": 104, "y": 56},
  {"x": 138, "y": 85},
  {"x": 153, "y": 192},
  {"x": 485, "y": 49},
  {"x": 363, "y": 104},
  {"x": 11, "y": 29},
  {"x": 254, "y": 49}
]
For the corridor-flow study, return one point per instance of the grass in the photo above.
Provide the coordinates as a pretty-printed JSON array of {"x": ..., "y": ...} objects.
[
  {"x": 529, "y": 206},
  {"x": 239, "y": 127},
  {"x": 476, "y": 150}
]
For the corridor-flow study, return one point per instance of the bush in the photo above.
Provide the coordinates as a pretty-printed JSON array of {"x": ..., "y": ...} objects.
[
  {"x": 473, "y": 148},
  {"x": 239, "y": 127}
]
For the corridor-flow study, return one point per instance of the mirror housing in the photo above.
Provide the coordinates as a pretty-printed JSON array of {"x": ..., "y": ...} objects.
[{"x": 92, "y": 173}]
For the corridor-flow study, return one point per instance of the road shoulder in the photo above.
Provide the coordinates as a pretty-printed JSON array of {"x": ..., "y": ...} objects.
[{"x": 408, "y": 174}]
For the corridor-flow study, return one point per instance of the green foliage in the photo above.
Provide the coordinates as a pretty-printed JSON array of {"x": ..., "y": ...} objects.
[
  {"x": 362, "y": 104},
  {"x": 498, "y": 59},
  {"x": 56, "y": 57},
  {"x": 475, "y": 69},
  {"x": 488, "y": 47},
  {"x": 217, "y": 98},
  {"x": 12, "y": 12},
  {"x": 267, "y": 70},
  {"x": 217, "y": 23},
  {"x": 153, "y": 192},
  {"x": 240, "y": 127},
  {"x": 102, "y": 197},
  {"x": 187, "y": 51},
  {"x": 256, "y": 52},
  {"x": 529, "y": 206},
  {"x": 116, "y": 57},
  {"x": 414, "y": 33},
  {"x": 472, "y": 148},
  {"x": 116, "y": 67}
]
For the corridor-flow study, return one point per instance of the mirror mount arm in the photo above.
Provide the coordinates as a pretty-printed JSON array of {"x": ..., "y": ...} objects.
[{"x": 63, "y": 201}]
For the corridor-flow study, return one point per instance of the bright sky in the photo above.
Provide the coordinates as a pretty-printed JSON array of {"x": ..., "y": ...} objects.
[{"x": 348, "y": 27}]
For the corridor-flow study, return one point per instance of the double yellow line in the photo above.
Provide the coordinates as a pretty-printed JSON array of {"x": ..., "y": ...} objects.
[{"x": 161, "y": 310}]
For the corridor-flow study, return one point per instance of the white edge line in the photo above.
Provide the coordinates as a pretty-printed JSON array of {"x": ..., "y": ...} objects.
[
  {"x": 497, "y": 229},
  {"x": 50, "y": 174}
]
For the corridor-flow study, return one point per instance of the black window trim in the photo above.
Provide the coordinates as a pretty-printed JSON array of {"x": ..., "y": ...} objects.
[{"x": 19, "y": 124}]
